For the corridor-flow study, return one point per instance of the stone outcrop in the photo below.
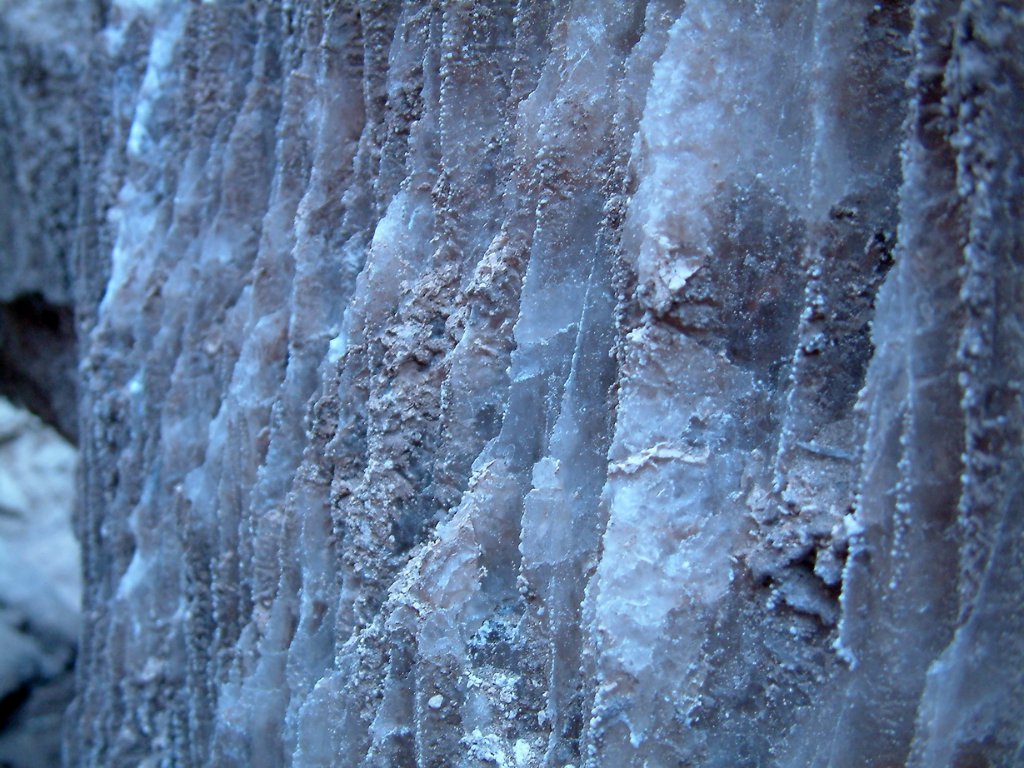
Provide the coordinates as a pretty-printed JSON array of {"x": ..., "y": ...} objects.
[{"x": 539, "y": 383}]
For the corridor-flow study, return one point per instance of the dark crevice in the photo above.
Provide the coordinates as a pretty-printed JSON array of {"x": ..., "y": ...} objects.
[
  {"x": 38, "y": 360},
  {"x": 12, "y": 703}
]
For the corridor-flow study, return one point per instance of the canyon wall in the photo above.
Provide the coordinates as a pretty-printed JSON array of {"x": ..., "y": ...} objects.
[{"x": 530, "y": 382}]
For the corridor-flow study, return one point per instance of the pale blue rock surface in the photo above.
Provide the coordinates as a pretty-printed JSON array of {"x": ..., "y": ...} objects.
[{"x": 549, "y": 383}]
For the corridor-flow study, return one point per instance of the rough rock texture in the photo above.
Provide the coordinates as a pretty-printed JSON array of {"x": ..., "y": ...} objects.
[{"x": 553, "y": 383}]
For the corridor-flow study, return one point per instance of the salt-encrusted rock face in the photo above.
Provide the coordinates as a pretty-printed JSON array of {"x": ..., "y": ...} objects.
[{"x": 545, "y": 383}]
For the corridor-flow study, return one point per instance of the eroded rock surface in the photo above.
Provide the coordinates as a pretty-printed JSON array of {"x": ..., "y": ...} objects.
[{"x": 546, "y": 383}]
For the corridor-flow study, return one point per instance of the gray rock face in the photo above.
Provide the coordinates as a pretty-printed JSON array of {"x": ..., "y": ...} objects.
[{"x": 541, "y": 383}]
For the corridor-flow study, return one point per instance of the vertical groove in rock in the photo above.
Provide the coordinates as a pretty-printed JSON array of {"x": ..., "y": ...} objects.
[{"x": 528, "y": 383}]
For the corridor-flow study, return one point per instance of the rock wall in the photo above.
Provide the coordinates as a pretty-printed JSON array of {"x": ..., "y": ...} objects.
[{"x": 553, "y": 383}]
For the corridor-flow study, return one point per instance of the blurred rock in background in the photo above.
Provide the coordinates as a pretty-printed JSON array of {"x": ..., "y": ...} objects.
[{"x": 40, "y": 588}]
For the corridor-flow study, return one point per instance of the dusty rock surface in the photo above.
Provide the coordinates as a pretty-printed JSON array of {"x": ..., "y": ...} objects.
[{"x": 539, "y": 383}]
